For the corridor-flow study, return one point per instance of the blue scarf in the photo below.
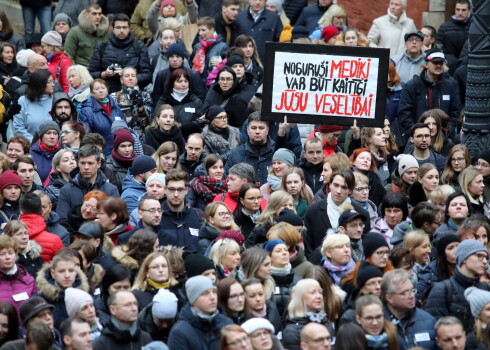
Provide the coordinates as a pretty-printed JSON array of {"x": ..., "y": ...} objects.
[
  {"x": 377, "y": 341},
  {"x": 337, "y": 272}
]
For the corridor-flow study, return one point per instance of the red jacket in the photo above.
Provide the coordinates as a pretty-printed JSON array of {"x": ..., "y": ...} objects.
[
  {"x": 327, "y": 150},
  {"x": 58, "y": 66},
  {"x": 231, "y": 201},
  {"x": 49, "y": 242}
]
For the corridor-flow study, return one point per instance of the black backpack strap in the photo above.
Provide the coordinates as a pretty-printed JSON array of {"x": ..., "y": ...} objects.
[{"x": 449, "y": 292}]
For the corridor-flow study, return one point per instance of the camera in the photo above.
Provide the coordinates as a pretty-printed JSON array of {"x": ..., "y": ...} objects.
[{"x": 113, "y": 67}]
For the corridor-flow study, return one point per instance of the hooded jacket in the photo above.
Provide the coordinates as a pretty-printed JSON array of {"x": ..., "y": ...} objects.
[
  {"x": 56, "y": 182},
  {"x": 58, "y": 66},
  {"x": 400, "y": 231},
  {"x": 32, "y": 114},
  {"x": 113, "y": 337},
  {"x": 313, "y": 173},
  {"x": 83, "y": 38},
  {"x": 132, "y": 191},
  {"x": 71, "y": 195},
  {"x": 11, "y": 286},
  {"x": 49, "y": 242},
  {"x": 54, "y": 295}
]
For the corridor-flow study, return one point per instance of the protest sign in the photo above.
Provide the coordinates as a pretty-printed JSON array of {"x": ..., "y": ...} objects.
[{"x": 320, "y": 84}]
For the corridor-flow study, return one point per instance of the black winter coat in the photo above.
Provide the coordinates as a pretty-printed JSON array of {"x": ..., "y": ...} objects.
[
  {"x": 118, "y": 171},
  {"x": 244, "y": 222},
  {"x": 452, "y": 36},
  {"x": 127, "y": 52},
  {"x": 147, "y": 324},
  {"x": 312, "y": 174},
  {"x": 160, "y": 84},
  {"x": 114, "y": 338},
  {"x": 291, "y": 338},
  {"x": 284, "y": 286},
  {"x": 293, "y": 9},
  {"x": 207, "y": 235}
]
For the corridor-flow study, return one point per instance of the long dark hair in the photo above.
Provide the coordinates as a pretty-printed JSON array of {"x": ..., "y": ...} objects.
[
  {"x": 37, "y": 84},
  {"x": 6, "y": 26},
  {"x": 8, "y": 310}
]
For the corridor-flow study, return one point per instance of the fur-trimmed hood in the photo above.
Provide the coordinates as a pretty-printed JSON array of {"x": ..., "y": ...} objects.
[
  {"x": 48, "y": 288},
  {"x": 33, "y": 249},
  {"x": 119, "y": 254},
  {"x": 90, "y": 28}
]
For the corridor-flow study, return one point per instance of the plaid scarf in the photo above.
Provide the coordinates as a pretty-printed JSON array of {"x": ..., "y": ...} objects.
[{"x": 208, "y": 187}]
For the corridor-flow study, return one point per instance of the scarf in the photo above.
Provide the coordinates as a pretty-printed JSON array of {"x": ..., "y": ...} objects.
[
  {"x": 260, "y": 314},
  {"x": 377, "y": 341},
  {"x": 200, "y": 58},
  {"x": 356, "y": 250},
  {"x": 254, "y": 216},
  {"x": 274, "y": 182},
  {"x": 203, "y": 316},
  {"x": 317, "y": 317},
  {"x": 224, "y": 133},
  {"x": 157, "y": 285},
  {"x": 179, "y": 95},
  {"x": 50, "y": 149},
  {"x": 13, "y": 270},
  {"x": 73, "y": 92},
  {"x": 334, "y": 210},
  {"x": 132, "y": 329},
  {"x": 208, "y": 187},
  {"x": 363, "y": 205},
  {"x": 451, "y": 224},
  {"x": 337, "y": 272},
  {"x": 281, "y": 270},
  {"x": 124, "y": 161},
  {"x": 155, "y": 136},
  {"x": 106, "y": 105}
]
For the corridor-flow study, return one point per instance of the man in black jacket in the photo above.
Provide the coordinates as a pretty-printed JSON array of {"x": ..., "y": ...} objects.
[
  {"x": 120, "y": 51},
  {"x": 122, "y": 331},
  {"x": 226, "y": 24},
  {"x": 312, "y": 163}
]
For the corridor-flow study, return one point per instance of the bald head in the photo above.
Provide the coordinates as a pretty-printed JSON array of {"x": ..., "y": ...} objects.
[
  {"x": 35, "y": 62},
  {"x": 315, "y": 336}
]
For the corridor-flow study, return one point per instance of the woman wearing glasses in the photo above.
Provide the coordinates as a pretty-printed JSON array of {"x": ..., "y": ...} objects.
[
  {"x": 220, "y": 138},
  {"x": 363, "y": 161},
  {"x": 458, "y": 159},
  {"x": 231, "y": 299},
  {"x": 225, "y": 254},
  {"x": 380, "y": 333},
  {"x": 360, "y": 196},
  {"x": 85, "y": 212},
  {"x": 72, "y": 133},
  {"x": 234, "y": 337},
  {"x": 249, "y": 208}
]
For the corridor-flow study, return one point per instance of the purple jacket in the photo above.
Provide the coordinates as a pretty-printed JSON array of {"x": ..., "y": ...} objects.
[{"x": 13, "y": 287}]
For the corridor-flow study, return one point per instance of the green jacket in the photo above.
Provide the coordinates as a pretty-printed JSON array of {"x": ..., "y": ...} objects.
[{"x": 83, "y": 38}]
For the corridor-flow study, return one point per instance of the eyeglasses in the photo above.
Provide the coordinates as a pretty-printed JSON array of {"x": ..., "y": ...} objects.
[
  {"x": 335, "y": 136},
  {"x": 240, "y": 341},
  {"x": 173, "y": 189},
  {"x": 383, "y": 253},
  {"x": 89, "y": 207},
  {"x": 370, "y": 319},
  {"x": 421, "y": 136},
  {"x": 254, "y": 199},
  {"x": 406, "y": 293},
  {"x": 223, "y": 118},
  {"x": 482, "y": 257},
  {"x": 457, "y": 160},
  {"x": 415, "y": 39},
  {"x": 482, "y": 165},
  {"x": 225, "y": 79},
  {"x": 65, "y": 132},
  {"x": 223, "y": 214},
  {"x": 153, "y": 210},
  {"x": 361, "y": 189},
  {"x": 237, "y": 296},
  {"x": 264, "y": 332},
  {"x": 121, "y": 27}
]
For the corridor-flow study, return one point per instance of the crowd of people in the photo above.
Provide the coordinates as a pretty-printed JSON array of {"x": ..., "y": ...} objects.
[{"x": 146, "y": 204}]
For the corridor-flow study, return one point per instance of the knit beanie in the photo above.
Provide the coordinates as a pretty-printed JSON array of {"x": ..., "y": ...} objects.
[
  {"x": 329, "y": 32},
  {"x": 270, "y": 245},
  {"x": 118, "y": 125},
  {"x": 164, "y": 304},
  {"x": 61, "y": 17},
  {"x": 75, "y": 299},
  {"x": 197, "y": 285},
  {"x": 300, "y": 32},
  {"x": 22, "y": 57},
  {"x": 284, "y": 155},
  {"x": 52, "y": 38},
  {"x": 256, "y": 323},
  {"x": 372, "y": 241},
  {"x": 445, "y": 240},
  {"x": 48, "y": 125},
  {"x": 286, "y": 34},
  {"x": 155, "y": 345},
  {"x": 366, "y": 272},
  {"x": 329, "y": 128},
  {"x": 176, "y": 49},
  {"x": 9, "y": 177},
  {"x": 155, "y": 176},
  {"x": 276, "y": 3},
  {"x": 232, "y": 234},
  {"x": 213, "y": 112},
  {"x": 477, "y": 298},
  {"x": 405, "y": 162},
  {"x": 195, "y": 264},
  {"x": 289, "y": 216},
  {"x": 484, "y": 155},
  {"x": 122, "y": 135},
  {"x": 468, "y": 247},
  {"x": 244, "y": 171},
  {"x": 142, "y": 164},
  {"x": 235, "y": 59},
  {"x": 165, "y": 3}
]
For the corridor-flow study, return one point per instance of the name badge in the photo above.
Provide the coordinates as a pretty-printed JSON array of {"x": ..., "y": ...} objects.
[
  {"x": 190, "y": 110},
  {"x": 446, "y": 97},
  {"x": 20, "y": 296},
  {"x": 420, "y": 337},
  {"x": 194, "y": 231},
  {"x": 117, "y": 118}
]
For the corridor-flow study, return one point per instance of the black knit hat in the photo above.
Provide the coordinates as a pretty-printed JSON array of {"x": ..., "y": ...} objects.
[
  {"x": 213, "y": 112},
  {"x": 366, "y": 272},
  {"x": 289, "y": 216},
  {"x": 235, "y": 59},
  {"x": 195, "y": 264},
  {"x": 445, "y": 240},
  {"x": 485, "y": 156},
  {"x": 372, "y": 241}
]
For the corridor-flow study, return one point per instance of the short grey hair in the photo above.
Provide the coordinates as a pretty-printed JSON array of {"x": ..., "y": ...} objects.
[
  {"x": 391, "y": 278},
  {"x": 41, "y": 194},
  {"x": 447, "y": 321}
]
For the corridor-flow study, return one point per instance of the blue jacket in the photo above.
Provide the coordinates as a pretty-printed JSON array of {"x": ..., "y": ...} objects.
[
  {"x": 417, "y": 325},
  {"x": 43, "y": 160},
  {"x": 53, "y": 225},
  {"x": 180, "y": 229},
  {"x": 310, "y": 16},
  {"x": 426, "y": 280},
  {"x": 267, "y": 27},
  {"x": 191, "y": 332},
  {"x": 94, "y": 116},
  {"x": 31, "y": 116},
  {"x": 132, "y": 191}
]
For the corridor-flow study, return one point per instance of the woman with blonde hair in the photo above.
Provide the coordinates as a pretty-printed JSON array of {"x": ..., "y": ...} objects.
[
  {"x": 458, "y": 159},
  {"x": 225, "y": 254},
  {"x": 418, "y": 244},
  {"x": 79, "y": 78},
  {"x": 439, "y": 197},
  {"x": 352, "y": 37},
  {"x": 306, "y": 305},
  {"x": 155, "y": 273},
  {"x": 294, "y": 183},
  {"x": 337, "y": 260},
  {"x": 336, "y": 16},
  {"x": 164, "y": 128},
  {"x": 167, "y": 157},
  {"x": 256, "y": 263},
  {"x": 471, "y": 183},
  {"x": 217, "y": 219}
]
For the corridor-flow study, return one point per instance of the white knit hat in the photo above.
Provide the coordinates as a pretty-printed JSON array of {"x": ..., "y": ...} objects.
[
  {"x": 75, "y": 299},
  {"x": 254, "y": 324}
]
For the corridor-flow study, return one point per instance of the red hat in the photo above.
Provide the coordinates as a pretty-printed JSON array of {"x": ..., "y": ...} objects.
[
  {"x": 9, "y": 177},
  {"x": 232, "y": 234},
  {"x": 169, "y": 2},
  {"x": 329, "y": 32},
  {"x": 122, "y": 135},
  {"x": 329, "y": 128}
]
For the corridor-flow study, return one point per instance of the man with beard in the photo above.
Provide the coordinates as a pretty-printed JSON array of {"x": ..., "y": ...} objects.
[{"x": 420, "y": 136}]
